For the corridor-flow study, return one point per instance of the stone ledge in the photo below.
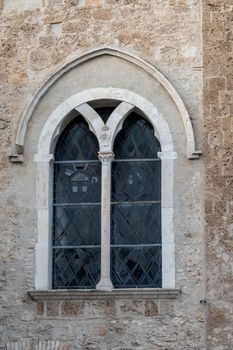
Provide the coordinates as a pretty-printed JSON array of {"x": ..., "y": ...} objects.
[{"x": 67, "y": 294}]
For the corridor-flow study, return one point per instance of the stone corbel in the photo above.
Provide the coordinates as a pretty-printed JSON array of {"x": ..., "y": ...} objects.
[{"x": 16, "y": 155}]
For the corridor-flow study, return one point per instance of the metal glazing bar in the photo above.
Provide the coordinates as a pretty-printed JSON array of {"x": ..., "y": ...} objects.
[
  {"x": 73, "y": 287},
  {"x": 137, "y": 160},
  {"x": 136, "y": 202},
  {"x": 75, "y": 161},
  {"x": 75, "y": 204},
  {"x": 136, "y": 245},
  {"x": 76, "y": 247}
]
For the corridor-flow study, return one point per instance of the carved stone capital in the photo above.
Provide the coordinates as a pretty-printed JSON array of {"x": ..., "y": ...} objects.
[
  {"x": 167, "y": 155},
  {"x": 106, "y": 157}
]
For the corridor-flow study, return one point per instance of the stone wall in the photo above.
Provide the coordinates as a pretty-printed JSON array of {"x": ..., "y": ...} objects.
[
  {"x": 36, "y": 39},
  {"x": 218, "y": 152}
]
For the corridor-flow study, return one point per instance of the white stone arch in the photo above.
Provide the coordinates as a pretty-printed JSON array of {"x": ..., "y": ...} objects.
[
  {"x": 80, "y": 101},
  {"x": 19, "y": 141},
  {"x": 105, "y": 134}
]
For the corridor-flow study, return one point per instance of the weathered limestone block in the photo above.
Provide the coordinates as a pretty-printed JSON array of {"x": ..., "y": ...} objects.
[
  {"x": 91, "y": 2},
  {"x": 101, "y": 308},
  {"x": 4, "y": 124},
  {"x": 52, "y": 308},
  {"x": 73, "y": 308},
  {"x": 131, "y": 307},
  {"x": 40, "y": 308},
  {"x": 166, "y": 307},
  {"x": 151, "y": 308},
  {"x": 18, "y": 76},
  {"x": 41, "y": 59},
  {"x": 20, "y": 5},
  {"x": 80, "y": 3}
]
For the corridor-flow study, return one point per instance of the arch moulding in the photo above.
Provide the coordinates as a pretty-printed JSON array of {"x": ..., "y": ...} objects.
[{"x": 19, "y": 140}]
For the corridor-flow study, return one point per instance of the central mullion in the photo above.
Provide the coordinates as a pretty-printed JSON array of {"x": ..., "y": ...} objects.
[{"x": 106, "y": 161}]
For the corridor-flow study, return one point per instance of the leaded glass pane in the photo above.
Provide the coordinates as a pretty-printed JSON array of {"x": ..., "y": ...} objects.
[
  {"x": 77, "y": 197},
  {"x": 136, "y": 181},
  {"x": 76, "y": 268},
  {"x": 136, "y": 267},
  {"x": 136, "y": 224},
  {"x": 77, "y": 142},
  {"x": 105, "y": 112},
  {"x": 136, "y": 207},
  {"x": 78, "y": 182},
  {"x": 76, "y": 225},
  {"x": 136, "y": 140}
]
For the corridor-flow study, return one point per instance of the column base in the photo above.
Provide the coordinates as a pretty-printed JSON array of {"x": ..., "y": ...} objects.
[{"x": 105, "y": 284}]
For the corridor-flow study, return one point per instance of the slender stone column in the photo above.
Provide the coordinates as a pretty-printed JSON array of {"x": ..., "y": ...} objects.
[{"x": 105, "y": 280}]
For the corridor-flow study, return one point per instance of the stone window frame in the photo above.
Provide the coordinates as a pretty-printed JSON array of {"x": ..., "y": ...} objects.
[{"x": 128, "y": 101}]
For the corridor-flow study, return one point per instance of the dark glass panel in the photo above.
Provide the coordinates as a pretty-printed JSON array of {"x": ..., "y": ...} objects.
[
  {"x": 105, "y": 112},
  {"x": 76, "y": 225},
  {"x": 136, "y": 207},
  {"x": 77, "y": 142},
  {"x": 77, "y": 196},
  {"x": 77, "y": 182},
  {"x": 134, "y": 267},
  {"x": 136, "y": 140},
  {"x": 136, "y": 181},
  {"x": 76, "y": 268},
  {"x": 136, "y": 224}
]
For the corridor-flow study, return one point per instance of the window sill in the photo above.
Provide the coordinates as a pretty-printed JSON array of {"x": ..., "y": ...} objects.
[{"x": 67, "y": 294}]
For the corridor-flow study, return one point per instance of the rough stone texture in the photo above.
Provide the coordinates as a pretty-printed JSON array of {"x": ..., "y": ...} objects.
[
  {"x": 218, "y": 152},
  {"x": 151, "y": 308},
  {"x": 73, "y": 308},
  {"x": 37, "y": 37},
  {"x": 40, "y": 309},
  {"x": 52, "y": 309},
  {"x": 35, "y": 345}
]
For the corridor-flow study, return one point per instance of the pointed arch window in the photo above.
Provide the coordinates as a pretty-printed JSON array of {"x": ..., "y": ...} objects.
[
  {"x": 76, "y": 147},
  {"x": 136, "y": 240}
]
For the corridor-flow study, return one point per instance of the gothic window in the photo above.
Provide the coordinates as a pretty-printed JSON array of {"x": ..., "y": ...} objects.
[{"x": 136, "y": 248}]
